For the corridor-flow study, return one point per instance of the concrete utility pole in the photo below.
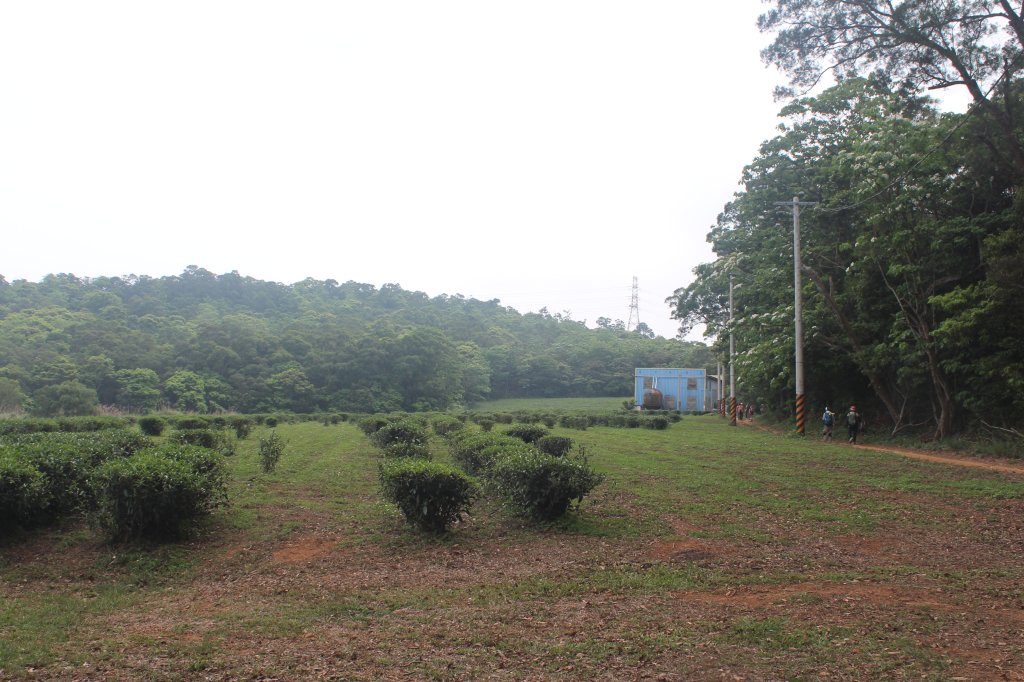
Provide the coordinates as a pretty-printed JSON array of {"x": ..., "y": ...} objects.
[
  {"x": 721, "y": 390},
  {"x": 798, "y": 374},
  {"x": 732, "y": 363}
]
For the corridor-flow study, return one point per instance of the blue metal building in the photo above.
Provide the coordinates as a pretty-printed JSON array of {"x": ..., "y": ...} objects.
[{"x": 666, "y": 388}]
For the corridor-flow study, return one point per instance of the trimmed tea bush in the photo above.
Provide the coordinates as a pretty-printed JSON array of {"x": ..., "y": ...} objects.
[
  {"x": 156, "y": 493},
  {"x": 475, "y": 451},
  {"x": 556, "y": 446},
  {"x": 539, "y": 486},
  {"x": 579, "y": 422},
  {"x": 399, "y": 449},
  {"x": 447, "y": 424},
  {"x": 24, "y": 494},
  {"x": 528, "y": 433},
  {"x": 85, "y": 424},
  {"x": 242, "y": 427},
  {"x": 191, "y": 423},
  {"x": 370, "y": 425},
  {"x": 27, "y": 425},
  {"x": 659, "y": 423},
  {"x": 67, "y": 460},
  {"x": 430, "y": 495},
  {"x": 152, "y": 425},
  {"x": 204, "y": 438},
  {"x": 400, "y": 431}
]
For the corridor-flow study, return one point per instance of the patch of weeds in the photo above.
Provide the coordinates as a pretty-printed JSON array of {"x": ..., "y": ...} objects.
[
  {"x": 159, "y": 565},
  {"x": 36, "y": 626},
  {"x": 773, "y": 633}
]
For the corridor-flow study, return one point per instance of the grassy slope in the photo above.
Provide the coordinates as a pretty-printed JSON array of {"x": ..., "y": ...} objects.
[{"x": 710, "y": 551}]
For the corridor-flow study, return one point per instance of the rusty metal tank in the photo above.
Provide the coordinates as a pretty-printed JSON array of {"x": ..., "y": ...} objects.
[{"x": 652, "y": 399}]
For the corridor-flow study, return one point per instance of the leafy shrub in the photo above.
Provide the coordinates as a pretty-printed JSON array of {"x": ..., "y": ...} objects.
[
  {"x": 447, "y": 424},
  {"x": 549, "y": 421},
  {"x": 556, "y": 446},
  {"x": 242, "y": 427},
  {"x": 225, "y": 443},
  {"x": 68, "y": 459},
  {"x": 431, "y": 496},
  {"x": 191, "y": 423},
  {"x": 475, "y": 451},
  {"x": 400, "y": 449},
  {"x": 540, "y": 486},
  {"x": 156, "y": 492},
  {"x": 486, "y": 424},
  {"x": 370, "y": 425},
  {"x": 400, "y": 431},
  {"x": 579, "y": 422},
  {"x": 27, "y": 425},
  {"x": 271, "y": 449},
  {"x": 89, "y": 423},
  {"x": 528, "y": 433},
  {"x": 204, "y": 438},
  {"x": 659, "y": 423},
  {"x": 152, "y": 425},
  {"x": 24, "y": 495},
  {"x": 270, "y": 421},
  {"x": 205, "y": 462}
]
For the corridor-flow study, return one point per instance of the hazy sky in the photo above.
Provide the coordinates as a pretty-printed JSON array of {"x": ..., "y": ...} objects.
[{"x": 541, "y": 153}]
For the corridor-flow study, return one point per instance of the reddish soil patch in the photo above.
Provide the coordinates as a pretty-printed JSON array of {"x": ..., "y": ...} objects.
[{"x": 305, "y": 548}]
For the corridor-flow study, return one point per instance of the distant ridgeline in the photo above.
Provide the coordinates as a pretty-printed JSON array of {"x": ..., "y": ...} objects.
[{"x": 204, "y": 342}]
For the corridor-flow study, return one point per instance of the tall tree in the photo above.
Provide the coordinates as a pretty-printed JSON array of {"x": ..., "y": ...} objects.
[{"x": 928, "y": 44}]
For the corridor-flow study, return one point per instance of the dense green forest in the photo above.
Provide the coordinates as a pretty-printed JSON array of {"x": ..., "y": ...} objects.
[
  {"x": 204, "y": 342},
  {"x": 912, "y": 258}
]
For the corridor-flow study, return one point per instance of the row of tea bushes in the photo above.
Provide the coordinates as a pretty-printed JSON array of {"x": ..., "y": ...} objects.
[
  {"x": 430, "y": 495},
  {"x": 535, "y": 474},
  {"x": 531, "y": 471},
  {"x": 119, "y": 479},
  {"x": 631, "y": 419},
  {"x": 21, "y": 425}
]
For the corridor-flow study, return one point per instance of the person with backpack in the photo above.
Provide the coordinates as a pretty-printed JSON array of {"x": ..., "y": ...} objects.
[
  {"x": 828, "y": 420},
  {"x": 853, "y": 422}
]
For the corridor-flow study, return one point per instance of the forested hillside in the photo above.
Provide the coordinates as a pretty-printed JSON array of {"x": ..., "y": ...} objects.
[
  {"x": 204, "y": 342},
  {"x": 912, "y": 257}
]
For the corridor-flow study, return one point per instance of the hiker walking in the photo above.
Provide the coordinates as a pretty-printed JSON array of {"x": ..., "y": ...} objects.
[
  {"x": 828, "y": 420},
  {"x": 853, "y": 422}
]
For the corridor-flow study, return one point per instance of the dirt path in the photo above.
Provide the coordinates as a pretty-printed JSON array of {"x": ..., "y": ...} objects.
[
  {"x": 952, "y": 459},
  {"x": 955, "y": 460}
]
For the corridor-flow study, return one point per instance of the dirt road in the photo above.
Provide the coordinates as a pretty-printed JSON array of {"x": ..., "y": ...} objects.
[{"x": 954, "y": 459}]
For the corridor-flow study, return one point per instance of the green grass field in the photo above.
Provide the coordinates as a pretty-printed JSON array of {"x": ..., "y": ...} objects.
[{"x": 710, "y": 552}]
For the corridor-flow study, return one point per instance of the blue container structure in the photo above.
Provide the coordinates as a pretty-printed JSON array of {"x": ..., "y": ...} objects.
[{"x": 683, "y": 390}]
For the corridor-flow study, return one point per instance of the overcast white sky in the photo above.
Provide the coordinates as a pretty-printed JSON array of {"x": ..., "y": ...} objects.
[{"x": 539, "y": 152}]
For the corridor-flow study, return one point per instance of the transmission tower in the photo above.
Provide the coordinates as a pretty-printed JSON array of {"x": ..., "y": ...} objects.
[{"x": 634, "y": 308}]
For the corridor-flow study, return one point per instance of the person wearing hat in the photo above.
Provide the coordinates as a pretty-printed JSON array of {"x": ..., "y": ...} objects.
[{"x": 853, "y": 421}]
